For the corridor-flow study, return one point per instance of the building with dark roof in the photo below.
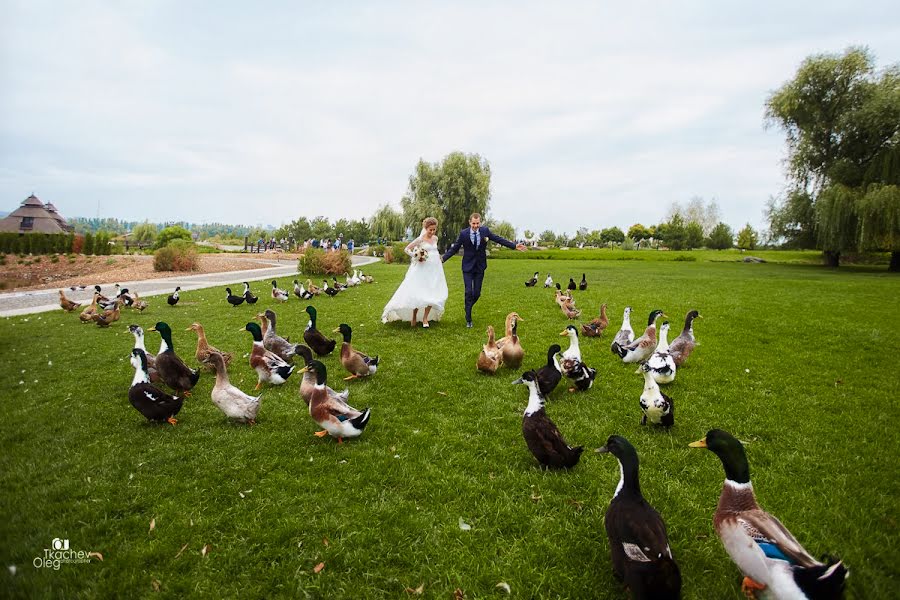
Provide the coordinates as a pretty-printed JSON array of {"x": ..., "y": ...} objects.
[{"x": 33, "y": 216}]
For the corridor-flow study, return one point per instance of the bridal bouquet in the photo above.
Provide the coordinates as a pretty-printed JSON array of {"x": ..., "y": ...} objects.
[{"x": 420, "y": 254}]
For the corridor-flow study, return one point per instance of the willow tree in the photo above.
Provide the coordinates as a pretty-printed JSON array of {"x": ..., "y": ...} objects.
[
  {"x": 842, "y": 120},
  {"x": 387, "y": 223},
  {"x": 450, "y": 191}
]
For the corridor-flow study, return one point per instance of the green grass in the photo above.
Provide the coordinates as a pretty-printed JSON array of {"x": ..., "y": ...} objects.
[{"x": 797, "y": 361}]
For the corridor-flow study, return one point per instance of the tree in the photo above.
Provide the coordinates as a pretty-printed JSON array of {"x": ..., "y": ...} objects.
[
  {"x": 387, "y": 224},
  {"x": 672, "y": 232},
  {"x": 704, "y": 214},
  {"x": 173, "y": 232},
  {"x": 638, "y": 232},
  {"x": 144, "y": 232},
  {"x": 321, "y": 228},
  {"x": 612, "y": 234},
  {"x": 548, "y": 237},
  {"x": 841, "y": 122},
  {"x": 450, "y": 191},
  {"x": 747, "y": 238},
  {"x": 503, "y": 229},
  {"x": 721, "y": 237},
  {"x": 529, "y": 234},
  {"x": 693, "y": 235}
]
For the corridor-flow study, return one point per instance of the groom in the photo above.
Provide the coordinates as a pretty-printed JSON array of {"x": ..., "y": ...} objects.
[{"x": 473, "y": 240}]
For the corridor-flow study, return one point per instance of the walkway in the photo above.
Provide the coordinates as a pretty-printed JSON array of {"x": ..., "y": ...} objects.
[{"x": 24, "y": 303}]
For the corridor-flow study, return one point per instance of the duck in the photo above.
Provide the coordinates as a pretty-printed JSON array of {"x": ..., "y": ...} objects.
[
  {"x": 533, "y": 281},
  {"x": 548, "y": 282},
  {"x": 567, "y": 305},
  {"x": 147, "y": 399},
  {"x": 661, "y": 364},
  {"x": 638, "y": 542},
  {"x": 249, "y": 298},
  {"x": 277, "y": 293},
  {"x": 625, "y": 335},
  {"x": 66, "y": 304},
  {"x": 682, "y": 346},
  {"x": 541, "y": 435},
  {"x": 204, "y": 349},
  {"x": 308, "y": 383},
  {"x": 274, "y": 342},
  {"x": 366, "y": 278},
  {"x": 232, "y": 299},
  {"x": 127, "y": 298},
  {"x": 314, "y": 338},
  {"x": 767, "y": 554},
  {"x": 572, "y": 285},
  {"x": 301, "y": 292},
  {"x": 510, "y": 348},
  {"x": 331, "y": 291},
  {"x": 657, "y": 407},
  {"x": 573, "y": 352},
  {"x": 550, "y": 374},
  {"x": 356, "y": 279},
  {"x": 337, "y": 284},
  {"x": 336, "y": 418},
  {"x": 597, "y": 325},
  {"x": 102, "y": 301},
  {"x": 357, "y": 363},
  {"x": 88, "y": 313},
  {"x": 269, "y": 366},
  {"x": 139, "y": 303},
  {"x": 640, "y": 349},
  {"x": 138, "y": 332},
  {"x": 109, "y": 316},
  {"x": 582, "y": 376},
  {"x": 173, "y": 297},
  {"x": 172, "y": 370},
  {"x": 230, "y": 400},
  {"x": 583, "y": 284},
  {"x": 490, "y": 358},
  {"x": 312, "y": 288}
]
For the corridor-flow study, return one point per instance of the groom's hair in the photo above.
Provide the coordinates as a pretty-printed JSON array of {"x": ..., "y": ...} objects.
[{"x": 475, "y": 214}]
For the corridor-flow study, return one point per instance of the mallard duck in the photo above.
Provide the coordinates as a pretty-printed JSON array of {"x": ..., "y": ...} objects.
[
  {"x": 172, "y": 370},
  {"x": 638, "y": 543},
  {"x": 541, "y": 434},
  {"x": 548, "y": 376},
  {"x": 269, "y": 366},
  {"x": 312, "y": 288},
  {"x": 357, "y": 363},
  {"x": 597, "y": 325},
  {"x": 204, "y": 349},
  {"x": 533, "y": 281},
  {"x": 88, "y": 313},
  {"x": 308, "y": 383},
  {"x": 548, "y": 282},
  {"x": 640, "y": 349},
  {"x": 625, "y": 335},
  {"x": 232, "y": 299},
  {"x": 661, "y": 364},
  {"x": 583, "y": 285},
  {"x": 173, "y": 297},
  {"x": 230, "y": 400},
  {"x": 682, "y": 346},
  {"x": 274, "y": 342},
  {"x": 139, "y": 303},
  {"x": 138, "y": 334},
  {"x": 331, "y": 291},
  {"x": 249, "y": 298},
  {"x": 510, "y": 348},
  {"x": 148, "y": 399},
  {"x": 763, "y": 549},
  {"x": 658, "y": 408},
  {"x": 320, "y": 344},
  {"x": 337, "y": 418},
  {"x": 278, "y": 293},
  {"x": 490, "y": 358},
  {"x": 66, "y": 304}
]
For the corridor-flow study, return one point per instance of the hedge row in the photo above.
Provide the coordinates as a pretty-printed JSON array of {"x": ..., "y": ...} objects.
[
  {"x": 36, "y": 243},
  {"x": 316, "y": 261}
]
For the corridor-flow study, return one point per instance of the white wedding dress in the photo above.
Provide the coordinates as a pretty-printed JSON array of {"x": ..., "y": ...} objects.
[{"x": 424, "y": 285}]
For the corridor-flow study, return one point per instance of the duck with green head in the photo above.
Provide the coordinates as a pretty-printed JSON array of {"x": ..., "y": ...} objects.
[
  {"x": 764, "y": 550},
  {"x": 172, "y": 370},
  {"x": 270, "y": 367},
  {"x": 337, "y": 418},
  {"x": 314, "y": 338}
]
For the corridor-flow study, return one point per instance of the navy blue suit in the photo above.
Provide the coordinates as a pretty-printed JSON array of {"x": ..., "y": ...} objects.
[{"x": 474, "y": 261}]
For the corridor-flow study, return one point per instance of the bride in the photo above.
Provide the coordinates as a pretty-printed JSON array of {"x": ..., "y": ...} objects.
[{"x": 424, "y": 286}]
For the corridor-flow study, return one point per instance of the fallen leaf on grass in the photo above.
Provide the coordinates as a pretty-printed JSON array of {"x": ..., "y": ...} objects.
[
  {"x": 418, "y": 591},
  {"x": 442, "y": 393},
  {"x": 152, "y": 524},
  {"x": 155, "y": 585},
  {"x": 318, "y": 567},
  {"x": 325, "y": 540},
  {"x": 180, "y": 551},
  {"x": 504, "y": 586},
  {"x": 97, "y": 554},
  {"x": 463, "y": 525},
  {"x": 205, "y": 550},
  {"x": 458, "y": 594}
]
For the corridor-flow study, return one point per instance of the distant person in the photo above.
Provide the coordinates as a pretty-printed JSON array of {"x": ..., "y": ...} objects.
[{"x": 350, "y": 245}]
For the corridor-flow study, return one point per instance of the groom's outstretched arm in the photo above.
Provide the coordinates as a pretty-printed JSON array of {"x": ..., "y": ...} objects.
[
  {"x": 453, "y": 249},
  {"x": 500, "y": 240}
]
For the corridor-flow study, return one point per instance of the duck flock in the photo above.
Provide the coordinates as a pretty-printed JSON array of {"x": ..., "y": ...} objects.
[{"x": 772, "y": 560}]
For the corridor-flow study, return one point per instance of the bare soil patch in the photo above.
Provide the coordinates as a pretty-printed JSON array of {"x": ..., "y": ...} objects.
[{"x": 40, "y": 272}]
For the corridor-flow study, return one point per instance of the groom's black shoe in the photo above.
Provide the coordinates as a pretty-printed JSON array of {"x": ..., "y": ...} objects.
[{"x": 469, "y": 324}]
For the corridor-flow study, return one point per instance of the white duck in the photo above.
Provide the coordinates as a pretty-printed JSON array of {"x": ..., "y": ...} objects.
[
  {"x": 625, "y": 335},
  {"x": 661, "y": 363}
]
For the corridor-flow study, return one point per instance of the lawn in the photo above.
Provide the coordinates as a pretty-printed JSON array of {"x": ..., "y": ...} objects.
[{"x": 797, "y": 361}]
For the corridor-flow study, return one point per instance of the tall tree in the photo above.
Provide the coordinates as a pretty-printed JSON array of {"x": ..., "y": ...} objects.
[
  {"x": 638, "y": 232},
  {"x": 842, "y": 122},
  {"x": 449, "y": 191},
  {"x": 612, "y": 234},
  {"x": 693, "y": 235},
  {"x": 387, "y": 224},
  {"x": 747, "y": 238},
  {"x": 721, "y": 237}
]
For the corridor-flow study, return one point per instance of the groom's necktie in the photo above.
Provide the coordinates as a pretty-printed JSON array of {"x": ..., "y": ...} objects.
[{"x": 475, "y": 237}]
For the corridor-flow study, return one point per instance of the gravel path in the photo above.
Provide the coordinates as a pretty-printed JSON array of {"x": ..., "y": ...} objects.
[{"x": 23, "y": 303}]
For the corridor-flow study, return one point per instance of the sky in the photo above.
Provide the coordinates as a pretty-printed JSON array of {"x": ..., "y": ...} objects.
[{"x": 591, "y": 114}]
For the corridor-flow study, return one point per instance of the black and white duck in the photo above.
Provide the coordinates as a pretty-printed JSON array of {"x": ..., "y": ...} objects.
[
  {"x": 314, "y": 338},
  {"x": 138, "y": 333},
  {"x": 278, "y": 293},
  {"x": 658, "y": 408},
  {"x": 533, "y": 281},
  {"x": 768, "y": 555},
  {"x": 330, "y": 290},
  {"x": 249, "y": 298},
  {"x": 172, "y": 370},
  {"x": 548, "y": 283},
  {"x": 638, "y": 543},
  {"x": 682, "y": 346},
  {"x": 640, "y": 349},
  {"x": 541, "y": 435},
  {"x": 232, "y": 298},
  {"x": 661, "y": 363},
  {"x": 625, "y": 335},
  {"x": 550, "y": 374},
  {"x": 173, "y": 297},
  {"x": 149, "y": 400}
]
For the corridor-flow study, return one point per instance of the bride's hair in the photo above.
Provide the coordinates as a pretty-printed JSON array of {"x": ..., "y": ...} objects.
[{"x": 428, "y": 222}]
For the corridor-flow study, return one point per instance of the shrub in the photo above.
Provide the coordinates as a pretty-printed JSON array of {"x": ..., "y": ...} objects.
[
  {"x": 397, "y": 254},
  {"x": 316, "y": 261},
  {"x": 174, "y": 232},
  {"x": 376, "y": 250},
  {"x": 178, "y": 255},
  {"x": 77, "y": 244},
  {"x": 685, "y": 258},
  {"x": 54, "y": 259},
  {"x": 88, "y": 247}
]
